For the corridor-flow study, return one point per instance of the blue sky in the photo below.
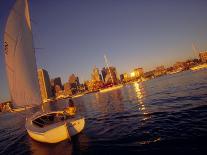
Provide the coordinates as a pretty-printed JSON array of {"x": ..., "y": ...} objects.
[{"x": 75, "y": 34}]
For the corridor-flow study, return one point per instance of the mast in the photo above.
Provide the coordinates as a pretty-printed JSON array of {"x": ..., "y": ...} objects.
[{"x": 106, "y": 61}]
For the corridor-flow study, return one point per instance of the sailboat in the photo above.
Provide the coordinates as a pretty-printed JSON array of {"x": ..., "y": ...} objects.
[
  {"x": 20, "y": 63},
  {"x": 113, "y": 87}
]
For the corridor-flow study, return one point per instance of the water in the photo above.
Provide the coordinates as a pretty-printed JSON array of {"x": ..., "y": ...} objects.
[{"x": 164, "y": 115}]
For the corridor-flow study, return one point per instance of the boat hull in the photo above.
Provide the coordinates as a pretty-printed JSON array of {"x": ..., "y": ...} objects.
[{"x": 56, "y": 132}]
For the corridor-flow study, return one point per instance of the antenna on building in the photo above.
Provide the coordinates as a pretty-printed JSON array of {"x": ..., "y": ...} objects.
[
  {"x": 195, "y": 50},
  {"x": 108, "y": 68}
]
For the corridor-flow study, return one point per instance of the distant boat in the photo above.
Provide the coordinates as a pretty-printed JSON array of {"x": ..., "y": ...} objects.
[
  {"x": 20, "y": 63},
  {"x": 198, "y": 67},
  {"x": 113, "y": 87}
]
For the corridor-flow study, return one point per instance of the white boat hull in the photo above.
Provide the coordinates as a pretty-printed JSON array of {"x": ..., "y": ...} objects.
[{"x": 56, "y": 132}]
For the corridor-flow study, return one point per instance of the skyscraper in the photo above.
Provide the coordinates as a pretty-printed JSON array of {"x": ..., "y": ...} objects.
[
  {"x": 95, "y": 76},
  {"x": 104, "y": 73},
  {"x": 203, "y": 56},
  {"x": 74, "y": 83},
  {"x": 44, "y": 82},
  {"x": 110, "y": 75},
  {"x": 56, "y": 81},
  {"x": 67, "y": 89},
  {"x": 56, "y": 85},
  {"x": 138, "y": 72}
]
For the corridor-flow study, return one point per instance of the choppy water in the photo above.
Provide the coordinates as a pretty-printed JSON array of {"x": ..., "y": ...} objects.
[{"x": 164, "y": 115}]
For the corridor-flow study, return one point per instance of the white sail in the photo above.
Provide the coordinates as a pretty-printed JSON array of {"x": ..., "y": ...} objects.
[{"x": 20, "y": 59}]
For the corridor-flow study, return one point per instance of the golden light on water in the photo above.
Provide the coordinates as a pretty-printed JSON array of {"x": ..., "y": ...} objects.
[
  {"x": 139, "y": 91},
  {"x": 140, "y": 96}
]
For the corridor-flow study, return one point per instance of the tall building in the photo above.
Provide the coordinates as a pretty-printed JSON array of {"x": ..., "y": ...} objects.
[
  {"x": 56, "y": 85},
  {"x": 149, "y": 74},
  {"x": 159, "y": 71},
  {"x": 95, "y": 76},
  {"x": 88, "y": 85},
  {"x": 138, "y": 72},
  {"x": 73, "y": 79},
  {"x": 124, "y": 77},
  {"x": 67, "y": 89},
  {"x": 44, "y": 82},
  {"x": 179, "y": 66},
  {"x": 74, "y": 83},
  {"x": 203, "y": 56},
  {"x": 56, "y": 81},
  {"x": 104, "y": 73},
  {"x": 110, "y": 75}
]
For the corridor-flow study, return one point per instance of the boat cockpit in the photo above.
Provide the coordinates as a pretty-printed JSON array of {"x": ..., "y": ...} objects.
[{"x": 49, "y": 119}]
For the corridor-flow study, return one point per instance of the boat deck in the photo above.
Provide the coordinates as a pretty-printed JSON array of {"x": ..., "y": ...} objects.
[{"x": 50, "y": 119}]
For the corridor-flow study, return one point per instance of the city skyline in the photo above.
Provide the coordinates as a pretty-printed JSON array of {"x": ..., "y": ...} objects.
[{"x": 129, "y": 34}]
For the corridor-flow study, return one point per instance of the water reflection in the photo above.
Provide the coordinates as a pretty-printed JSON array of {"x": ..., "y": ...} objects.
[
  {"x": 105, "y": 103},
  {"x": 140, "y": 94},
  {"x": 78, "y": 144},
  {"x": 47, "y": 149}
]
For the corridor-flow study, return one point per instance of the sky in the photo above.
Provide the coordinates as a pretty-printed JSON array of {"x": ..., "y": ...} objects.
[{"x": 72, "y": 36}]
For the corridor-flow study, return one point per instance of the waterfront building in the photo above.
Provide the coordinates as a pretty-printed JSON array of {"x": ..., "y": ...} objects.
[
  {"x": 88, "y": 85},
  {"x": 44, "y": 83},
  {"x": 95, "y": 76},
  {"x": 104, "y": 73},
  {"x": 56, "y": 85},
  {"x": 122, "y": 77},
  {"x": 67, "y": 89},
  {"x": 159, "y": 71},
  {"x": 74, "y": 83},
  {"x": 110, "y": 75},
  {"x": 189, "y": 63},
  {"x": 149, "y": 74},
  {"x": 179, "y": 66},
  {"x": 56, "y": 81},
  {"x": 138, "y": 72},
  {"x": 6, "y": 106},
  {"x": 96, "y": 80},
  {"x": 170, "y": 70},
  {"x": 125, "y": 77},
  {"x": 203, "y": 56},
  {"x": 57, "y": 89}
]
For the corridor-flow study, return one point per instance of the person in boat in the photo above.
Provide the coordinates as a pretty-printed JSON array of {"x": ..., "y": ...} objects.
[{"x": 71, "y": 109}]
